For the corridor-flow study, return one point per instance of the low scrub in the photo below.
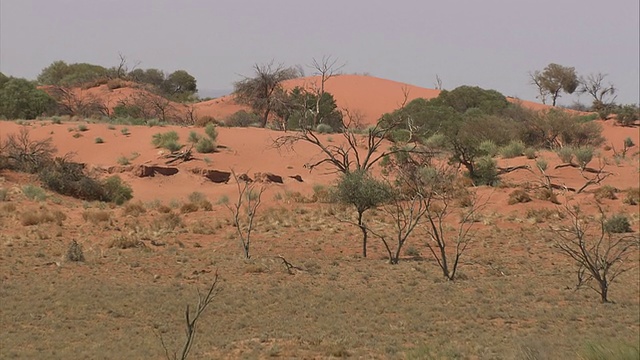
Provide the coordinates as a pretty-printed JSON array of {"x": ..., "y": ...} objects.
[
  {"x": 42, "y": 215},
  {"x": 167, "y": 140},
  {"x": 241, "y": 119},
  {"x": 605, "y": 192},
  {"x": 617, "y": 224},
  {"x": 632, "y": 196},
  {"x": 518, "y": 196},
  {"x": 513, "y": 149}
]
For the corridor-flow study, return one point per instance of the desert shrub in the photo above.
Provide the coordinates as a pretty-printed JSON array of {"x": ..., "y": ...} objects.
[
  {"x": 583, "y": 134},
  {"x": 324, "y": 129},
  {"x": 116, "y": 191},
  {"x": 168, "y": 140},
  {"x": 565, "y": 154},
  {"x": 169, "y": 221},
  {"x": 628, "y": 142},
  {"x": 82, "y": 127},
  {"x": 74, "y": 253},
  {"x": 189, "y": 208},
  {"x": 197, "y": 197},
  {"x": 632, "y": 196},
  {"x": 518, "y": 196},
  {"x": 489, "y": 148},
  {"x": 547, "y": 195},
  {"x": 99, "y": 140},
  {"x": 323, "y": 194},
  {"x": 123, "y": 160},
  {"x": 605, "y": 192},
  {"x": 40, "y": 216},
  {"x": 486, "y": 172},
  {"x": 584, "y": 155},
  {"x": 436, "y": 140},
  {"x": 205, "y": 146},
  {"x": 125, "y": 131},
  {"x": 33, "y": 192},
  {"x": 96, "y": 216},
  {"x": 541, "y": 215},
  {"x": 4, "y": 194},
  {"x": 241, "y": 119},
  {"x": 210, "y": 130},
  {"x": 20, "y": 153},
  {"x": 193, "y": 137},
  {"x": 205, "y": 120},
  {"x": 530, "y": 153},
  {"x": 125, "y": 242},
  {"x": 154, "y": 122},
  {"x": 617, "y": 224},
  {"x": 627, "y": 115},
  {"x": 513, "y": 149},
  {"x": 134, "y": 209}
]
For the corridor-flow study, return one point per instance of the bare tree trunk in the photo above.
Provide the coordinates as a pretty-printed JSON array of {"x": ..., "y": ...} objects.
[{"x": 363, "y": 228}]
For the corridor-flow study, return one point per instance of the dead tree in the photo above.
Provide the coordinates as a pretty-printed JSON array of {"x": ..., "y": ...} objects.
[
  {"x": 191, "y": 321},
  {"x": 438, "y": 200},
  {"x": 326, "y": 68},
  {"x": 599, "y": 255},
  {"x": 347, "y": 155},
  {"x": 603, "y": 95},
  {"x": 406, "y": 212},
  {"x": 244, "y": 211}
]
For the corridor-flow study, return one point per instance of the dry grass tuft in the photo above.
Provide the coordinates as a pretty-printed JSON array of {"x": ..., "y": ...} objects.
[
  {"x": 632, "y": 196},
  {"x": 605, "y": 192},
  {"x": 74, "y": 253},
  {"x": 518, "y": 196},
  {"x": 41, "y": 216},
  {"x": 189, "y": 208},
  {"x": 96, "y": 216},
  {"x": 126, "y": 242},
  {"x": 134, "y": 209},
  {"x": 547, "y": 195}
]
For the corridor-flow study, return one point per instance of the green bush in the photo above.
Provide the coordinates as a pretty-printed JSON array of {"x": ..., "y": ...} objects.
[
  {"x": 33, "y": 192},
  {"x": 628, "y": 142},
  {"x": 436, "y": 141},
  {"x": 99, "y": 140},
  {"x": 627, "y": 115},
  {"x": 324, "y": 129},
  {"x": 565, "y": 154},
  {"x": 485, "y": 172},
  {"x": 617, "y": 224},
  {"x": 205, "y": 146},
  {"x": 513, "y": 149},
  {"x": 210, "y": 130},
  {"x": 530, "y": 153},
  {"x": 488, "y": 147},
  {"x": 584, "y": 155},
  {"x": 168, "y": 140},
  {"x": 241, "y": 119},
  {"x": 193, "y": 137},
  {"x": 116, "y": 191}
]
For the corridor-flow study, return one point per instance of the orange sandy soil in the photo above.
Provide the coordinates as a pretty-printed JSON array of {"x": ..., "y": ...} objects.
[{"x": 515, "y": 295}]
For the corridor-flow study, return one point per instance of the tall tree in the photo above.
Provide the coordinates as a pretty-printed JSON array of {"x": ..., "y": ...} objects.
[
  {"x": 260, "y": 92},
  {"x": 554, "y": 79}
]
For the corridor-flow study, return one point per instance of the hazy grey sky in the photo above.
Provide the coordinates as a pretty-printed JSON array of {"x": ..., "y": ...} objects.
[{"x": 489, "y": 43}]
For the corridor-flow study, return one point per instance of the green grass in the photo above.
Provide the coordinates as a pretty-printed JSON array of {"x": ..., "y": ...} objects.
[{"x": 33, "y": 192}]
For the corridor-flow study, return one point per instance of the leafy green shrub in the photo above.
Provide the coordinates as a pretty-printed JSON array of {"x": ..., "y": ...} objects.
[
  {"x": 324, "y": 129},
  {"x": 565, "y": 154},
  {"x": 116, "y": 190},
  {"x": 584, "y": 155},
  {"x": 488, "y": 147},
  {"x": 627, "y": 115},
  {"x": 205, "y": 146},
  {"x": 617, "y": 224},
  {"x": 241, "y": 119},
  {"x": 193, "y": 137},
  {"x": 33, "y": 192},
  {"x": 436, "y": 141},
  {"x": 485, "y": 172},
  {"x": 513, "y": 149},
  {"x": 628, "y": 142},
  {"x": 210, "y": 130},
  {"x": 168, "y": 140},
  {"x": 530, "y": 153}
]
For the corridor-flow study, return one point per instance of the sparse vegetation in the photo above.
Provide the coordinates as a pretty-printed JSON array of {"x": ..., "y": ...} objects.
[{"x": 167, "y": 140}]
